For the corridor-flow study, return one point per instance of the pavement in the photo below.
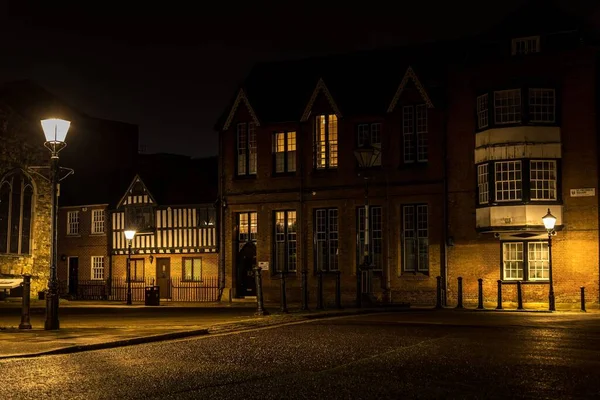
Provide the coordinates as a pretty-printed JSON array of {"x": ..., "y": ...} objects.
[{"x": 86, "y": 325}]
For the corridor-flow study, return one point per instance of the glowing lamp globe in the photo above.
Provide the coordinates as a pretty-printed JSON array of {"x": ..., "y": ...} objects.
[{"x": 55, "y": 130}]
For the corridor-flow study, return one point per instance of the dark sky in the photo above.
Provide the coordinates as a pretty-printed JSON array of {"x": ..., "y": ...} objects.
[{"x": 173, "y": 70}]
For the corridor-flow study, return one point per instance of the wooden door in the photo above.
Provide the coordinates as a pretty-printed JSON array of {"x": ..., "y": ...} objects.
[
  {"x": 73, "y": 275},
  {"x": 163, "y": 277}
]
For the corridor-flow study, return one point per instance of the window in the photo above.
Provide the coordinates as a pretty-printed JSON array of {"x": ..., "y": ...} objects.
[
  {"x": 326, "y": 141},
  {"x": 415, "y": 237},
  {"x": 246, "y": 149},
  {"x": 16, "y": 205},
  {"x": 414, "y": 149},
  {"x": 137, "y": 269},
  {"x": 530, "y": 265},
  {"x": 247, "y": 227},
  {"x": 372, "y": 134},
  {"x": 542, "y": 179},
  {"x": 97, "y": 267},
  {"x": 482, "y": 183},
  {"x": 507, "y": 106},
  {"x": 375, "y": 243},
  {"x": 192, "y": 269},
  {"x": 542, "y": 105},
  {"x": 140, "y": 217},
  {"x": 284, "y": 152},
  {"x": 97, "y": 221},
  {"x": 207, "y": 217},
  {"x": 326, "y": 239},
  {"x": 73, "y": 223},
  {"x": 508, "y": 181},
  {"x": 285, "y": 241},
  {"x": 482, "y": 111},
  {"x": 526, "y": 45}
]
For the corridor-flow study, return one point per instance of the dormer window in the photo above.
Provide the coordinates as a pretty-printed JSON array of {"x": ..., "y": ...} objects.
[
  {"x": 326, "y": 141},
  {"x": 246, "y": 149},
  {"x": 140, "y": 218},
  {"x": 525, "y": 45}
]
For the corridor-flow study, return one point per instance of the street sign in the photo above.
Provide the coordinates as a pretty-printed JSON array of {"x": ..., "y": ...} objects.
[
  {"x": 585, "y": 192},
  {"x": 263, "y": 264}
]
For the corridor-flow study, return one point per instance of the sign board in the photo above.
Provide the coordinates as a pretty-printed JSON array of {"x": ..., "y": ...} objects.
[
  {"x": 263, "y": 264},
  {"x": 585, "y": 192},
  {"x": 10, "y": 283}
]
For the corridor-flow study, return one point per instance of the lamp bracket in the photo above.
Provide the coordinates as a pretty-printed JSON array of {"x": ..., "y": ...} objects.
[{"x": 36, "y": 171}]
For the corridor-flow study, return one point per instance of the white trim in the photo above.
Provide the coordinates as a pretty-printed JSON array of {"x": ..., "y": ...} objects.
[
  {"x": 320, "y": 87},
  {"x": 240, "y": 97},
  {"x": 410, "y": 74}
]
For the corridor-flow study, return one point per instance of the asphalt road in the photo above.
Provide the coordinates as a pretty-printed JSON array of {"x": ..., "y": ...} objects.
[{"x": 380, "y": 356}]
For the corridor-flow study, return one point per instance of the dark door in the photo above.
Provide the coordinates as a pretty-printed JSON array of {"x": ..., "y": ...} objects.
[
  {"x": 246, "y": 261},
  {"x": 163, "y": 276},
  {"x": 73, "y": 275}
]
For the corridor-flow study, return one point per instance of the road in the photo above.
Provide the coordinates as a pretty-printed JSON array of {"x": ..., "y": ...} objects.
[{"x": 425, "y": 354}]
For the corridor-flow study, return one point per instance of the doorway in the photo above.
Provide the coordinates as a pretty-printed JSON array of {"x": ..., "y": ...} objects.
[
  {"x": 163, "y": 277},
  {"x": 73, "y": 275},
  {"x": 246, "y": 261}
]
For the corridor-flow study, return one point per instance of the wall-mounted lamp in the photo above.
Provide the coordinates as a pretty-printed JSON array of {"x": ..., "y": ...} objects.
[{"x": 151, "y": 258}]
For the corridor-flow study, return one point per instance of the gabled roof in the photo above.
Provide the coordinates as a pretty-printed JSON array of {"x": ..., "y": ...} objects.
[
  {"x": 136, "y": 182},
  {"x": 410, "y": 75},
  {"x": 320, "y": 88},
  {"x": 240, "y": 97}
]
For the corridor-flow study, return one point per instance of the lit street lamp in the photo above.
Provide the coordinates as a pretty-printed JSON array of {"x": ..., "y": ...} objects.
[
  {"x": 129, "y": 235},
  {"x": 549, "y": 222},
  {"x": 366, "y": 155},
  {"x": 55, "y": 131}
]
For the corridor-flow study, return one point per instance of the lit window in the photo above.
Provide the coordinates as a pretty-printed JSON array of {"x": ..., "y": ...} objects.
[
  {"x": 284, "y": 152},
  {"x": 192, "y": 269},
  {"x": 247, "y": 227},
  {"x": 137, "y": 269},
  {"x": 326, "y": 141},
  {"x": 508, "y": 181},
  {"x": 530, "y": 265},
  {"x": 507, "y": 106},
  {"x": 526, "y": 45},
  {"x": 542, "y": 179},
  {"x": 542, "y": 105},
  {"x": 285, "y": 259}
]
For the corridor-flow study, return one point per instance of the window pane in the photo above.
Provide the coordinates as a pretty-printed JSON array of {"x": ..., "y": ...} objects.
[
  {"x": 507, "y": 106},
  {"x": 408, "y": 134},
  {"x": 541, "y": 105},
  {"x": 508, "y": 180},
  {"x": 512, "y": 259},
  {"x": 482, "y": 111}
]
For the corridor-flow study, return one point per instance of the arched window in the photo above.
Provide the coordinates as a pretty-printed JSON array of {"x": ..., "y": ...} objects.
[{"x": 16, "y": 205}]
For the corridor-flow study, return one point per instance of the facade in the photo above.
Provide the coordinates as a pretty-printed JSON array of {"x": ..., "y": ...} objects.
[{"x": 477, "y": 141}]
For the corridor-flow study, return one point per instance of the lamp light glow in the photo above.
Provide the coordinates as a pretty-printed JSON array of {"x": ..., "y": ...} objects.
[
  {"x": 129, "y": 234},
  {"x": 55, "y": 130},
  {"x": 549, "y": 221}
]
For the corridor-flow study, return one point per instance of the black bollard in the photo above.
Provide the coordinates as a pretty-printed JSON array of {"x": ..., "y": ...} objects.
[
  {"x": 499, "y": 307},
  {"x": 283, "y": 298},
  {"x": 260, "y": 309},
  {"x": 480, "y": 294},
  {"x": 304, "y": 290},
  {"x": 338, "y": 290},
  {"x": 519, "y": 296},
  {"x": 583, "y": 299},
  {"x": 25, "y": 322},
  {"x": 320, "y": 290},
  {"x": 460, "y": 293},
  {"x": 438, "y": 293}
]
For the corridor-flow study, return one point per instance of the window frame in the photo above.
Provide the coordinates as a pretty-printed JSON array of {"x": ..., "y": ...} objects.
[
  {"x": 518, "y": 183},
  {"x": 375, "y": 235},
  {"x": 98, "y": 222},
  {"x": 483, "y": 111},
  {"x": 97, "y": 264},
  {"x": 252, "y": 218},
  {"x": 552, "y": 182},
  {"x": 527, "y": 41},
  {"x": 516, "y": 107},
  {"x": 417, "y": 236},
  {"x": 132, "y": 220},
  {"x": 248, "y": 148},
  {"x": 331, "y": 239},
  {"x": 192, "y": 260},
  {"x": 287, "y": 153},
  {"x": 73, "y": 223},
  {"x": 525, "y": 268},
  {"x": 326, "y": 143},
  {"x": 134, "y": 270},
  {"x": 374, "y": 131},
  {"x": 415, "y": 129},
  {"x": 531, "y": 106},
  {"x": 289, "y": 239},
  {"x": 23, "y": 210}
]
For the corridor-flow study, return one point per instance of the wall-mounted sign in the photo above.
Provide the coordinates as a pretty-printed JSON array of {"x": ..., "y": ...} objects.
[
  {"x": 585, "y": 192},
  {"x": 263, "y": 264}
]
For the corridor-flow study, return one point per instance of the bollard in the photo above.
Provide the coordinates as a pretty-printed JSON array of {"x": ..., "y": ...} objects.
[
  {"x": 319, "y": 290},
  {"x": 283, "y": 297},
  {"x": 460, "y": 293},
  {"x": 358, "y": 287},
  {"x": 480, "y": 294},
  {"x": 338, "y": 290},
  {"x": 583, "y": 299},
  {"x": 519, "y": 296},
  {"x": 499, "y": 307},
  {"x": 438, "y": 293},
  {"x": 25, "y": 322},
  {"x": 260, "y": 309},
  {"x": 304, "y": 290}
]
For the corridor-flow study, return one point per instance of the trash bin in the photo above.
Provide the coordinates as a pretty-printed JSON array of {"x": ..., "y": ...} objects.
[{"x": 152, "y": 296}]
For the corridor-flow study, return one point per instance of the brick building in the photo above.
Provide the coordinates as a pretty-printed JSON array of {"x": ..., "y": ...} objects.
[{"x": 477, "y": 139}]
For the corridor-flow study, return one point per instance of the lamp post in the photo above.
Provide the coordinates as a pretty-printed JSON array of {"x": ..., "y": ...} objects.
[
  {"x": 129, "y": 235},
  {"x": 366, "y": 155},
  {"x": 55, "y": 131},
  {"x": 549, "y": 222}
]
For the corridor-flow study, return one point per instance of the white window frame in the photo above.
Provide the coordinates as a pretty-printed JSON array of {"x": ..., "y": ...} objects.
[
  {"x": 483, "y": 184},
  {"x": 195, "y": 268},
  {"x": 415, "y": 238},
  {"x": 97, "y": 267},
  {"x": 326, "y": 141},
  {"x": 72, "y": 222},
  {"x": 284, "y": 152},
  {"x": 512, "y": 261},
  {"x": 508, "y": 179},
  {"x": 525, "y": 45},
  {"x": 408, "y": 134},
  {"x": 98, "y": 218},
  {"x": 525, "y": 261},
  {"x": 542, "y": 180},
  {"x": 483, "y": 120},
  {"x": 542, "y": 105},
  {"x": 538, "y": 261},
  {"x": 422, "y": 130},
  {"x": 507, "y": 107},
  {"x": 285, "y": 244},
  {"x": 246, "y": 148}
]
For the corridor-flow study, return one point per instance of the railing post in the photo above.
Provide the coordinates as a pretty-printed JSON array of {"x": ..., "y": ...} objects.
[
  {"x": 283, "y": 298},
  {"x": 260, "y": 309},
  {"x": 438, "y": 293},
  {"x": 460, "y": 293},
  {"x": 519, "y": 296},
  {"x": 25, "y": 322},
  {"x": 304, "y": 290},
  {"x": 583, "y": 299},
  {"x": 338, "y": 290},
  {"x": 499, "y": 307},
  {"x": 480, "y": 294},
  {"x": 319, "y": 290}
]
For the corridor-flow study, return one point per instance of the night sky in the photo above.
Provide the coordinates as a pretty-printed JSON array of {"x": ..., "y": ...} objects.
[{"x": 173, "y": 70}]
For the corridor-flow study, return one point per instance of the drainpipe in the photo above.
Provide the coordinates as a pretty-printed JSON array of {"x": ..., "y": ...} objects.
[
  {"x": 597, "y": 59},
  {"x": 388, "y": 271},
  {"x": 221, "y": 224},
  {"x": 445, "y": 235}
]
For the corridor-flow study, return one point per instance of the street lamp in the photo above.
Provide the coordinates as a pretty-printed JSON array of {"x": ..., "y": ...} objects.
[
  {"x": 55, "y": 131},
  {"x": 549, "y": 222},
  {"x": 129, "y": 235},
  {"x": 366, "y": 155}
]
